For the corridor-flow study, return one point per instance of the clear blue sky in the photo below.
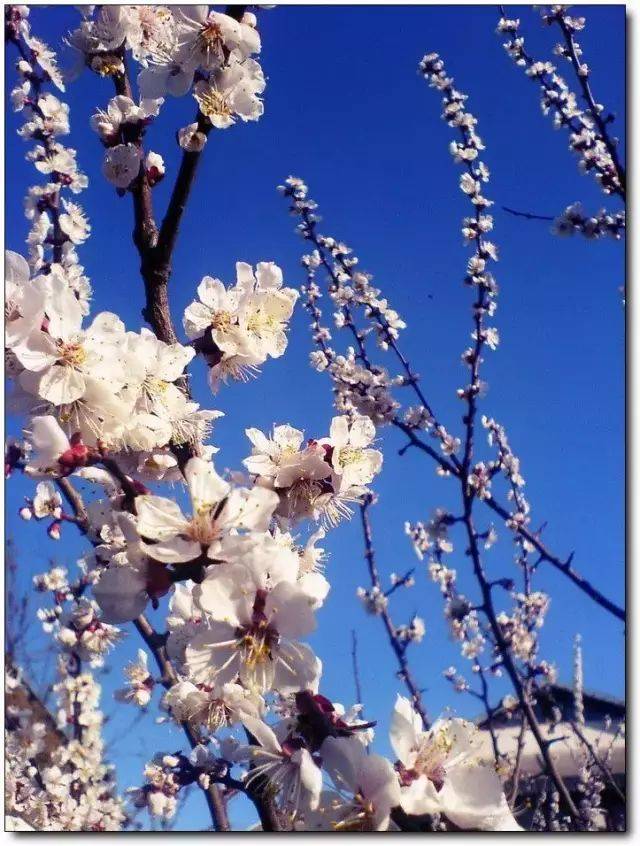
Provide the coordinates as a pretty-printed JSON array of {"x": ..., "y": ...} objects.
[{"x": 346, "y": 110}]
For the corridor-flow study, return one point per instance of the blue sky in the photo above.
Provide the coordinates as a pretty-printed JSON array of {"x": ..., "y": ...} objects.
[{"x": 346, "y": 110}]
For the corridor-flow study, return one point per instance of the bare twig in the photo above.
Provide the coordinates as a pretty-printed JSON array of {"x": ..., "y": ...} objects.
[
  {"x": 354, "y": 663},
  {"x": 564, "y": 567},
  {"x": 398, "y": 648},
  {"x": 528, "y": 215}
]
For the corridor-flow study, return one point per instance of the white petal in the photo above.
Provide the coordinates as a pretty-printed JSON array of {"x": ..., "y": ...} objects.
[
  {"x": 159, "y": 518},
  {"x": 473, "y": 797},
  {"x": 205, "y": 486},
  {"x": 262, "y": 733},
  {"x": 212, "y": 293},
  {"x": 37, "y": 352},
  {"x": 174, "y": 550},
  {"x": 297, "y": 668},
  {"x": 362, "y": 432},
  {"x": 290, "y": 610},
  {"x": 405, "y": 728},
  {"x": 208, "y": 661},
  {"x": 60, "y": 385},
  {"x": 420, "y": 797},
  {"x": 310, "y": 777},
  {"x": 342, "y": 759},
  {"x": 16, "y": 268}
]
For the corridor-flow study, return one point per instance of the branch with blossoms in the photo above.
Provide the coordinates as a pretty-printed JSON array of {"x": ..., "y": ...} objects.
[
  {"x": 363, "y": 387},
  {"x": 589, "y": 137},
  {"x": 223, "y": 592}
]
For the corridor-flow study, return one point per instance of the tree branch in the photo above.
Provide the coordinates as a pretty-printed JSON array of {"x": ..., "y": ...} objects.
[
  {"x": 398, "y": 648},
  {"x": 563, "y": 566},
  {"x": 596, "y": 113}
]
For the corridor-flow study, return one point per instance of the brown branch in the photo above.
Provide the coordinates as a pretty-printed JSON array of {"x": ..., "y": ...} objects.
[
  {"x": 398, "y": 648},
  {"x": 157, "y": 646},
  {"x": 156, "y": 246},
  {"x": 515, "y": 778},
  {"x": 354, "y": 662},
  {"x": 507, "y": 659},
  {"x": 168, "y": 677},
  {"x": 563, "y": 566},
  {"x": 587, "y": 94},
  {"x": 527, "y": 215}
]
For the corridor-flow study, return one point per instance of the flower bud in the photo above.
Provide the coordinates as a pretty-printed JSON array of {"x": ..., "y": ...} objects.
[
  {"x": 54, "y": 530},
  {"x": 191, "y": 139},
  {"x": 154, "y": 168}
]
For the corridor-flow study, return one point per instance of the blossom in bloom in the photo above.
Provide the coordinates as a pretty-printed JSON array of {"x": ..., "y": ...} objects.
[
  {"x": 255, "y": 612},
  {"x": 240, "y": 327},
  {"x": 58, "y": 361},
  {"x": 217, "y": 509},
  {"x": 212, "y": 706},
  {"x": 24, "y": 299},
  {"x": 139, "y": 682},
  {"x": 287, "y": 764},
  {"x": 207, "y": 37},
  {"x": 73, "y": 222},
  {"x": 352, "y": 461},
  {"x": 215, "y": 310},
  {"x": 230, "y": 92},
  {"x": 121, "y": 164},
  {"x": 281, "y": 459},
  {"x": 440, "y": 772},
  {"x": 47, "y": 502},
  {"x": 265, "y": 308},
  {"x": 366, "y": 789},
  {"x": 123, "y": 110}
]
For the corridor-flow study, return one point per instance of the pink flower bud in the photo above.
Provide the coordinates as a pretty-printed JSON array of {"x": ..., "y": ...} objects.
[{"x": 54, "y": 530}]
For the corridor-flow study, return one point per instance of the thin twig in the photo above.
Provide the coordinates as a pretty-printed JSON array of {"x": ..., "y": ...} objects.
[
  {"x": 596, "y": 113},
  {"x": 354, "y": 663},
  {"x": 398, "y": 648},
  {"x": 528, "y": 215}
]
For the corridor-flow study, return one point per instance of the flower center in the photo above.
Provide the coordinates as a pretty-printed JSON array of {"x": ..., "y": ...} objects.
[
  {"x": 202, "y": 527},
  {"x": 258, "y": 638},
  {"x": 348, "y": 455},
  {"x": 359, "y": 818},
  {"x": 221, "y": 320},
  {"x": 71, "y": 354},
  {"x": 155, "y": 387},
  {"x": 261, "y": 323},
  {"x": 212, "y": 102},
  {"x": 256, "y": 647},
  {"x": 431, "y": 757},
  {"x": 211, "y": 36}
]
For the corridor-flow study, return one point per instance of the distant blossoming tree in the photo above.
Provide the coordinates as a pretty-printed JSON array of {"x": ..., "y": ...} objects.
[{"x": 110, "y": 427}]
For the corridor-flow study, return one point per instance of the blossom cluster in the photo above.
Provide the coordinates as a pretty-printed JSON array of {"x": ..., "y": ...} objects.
[
  {"x": 602, "y": 224},
  {"x": 466, "y": 152},
  {"x": 586, "y": 138},
  {"x": 237, "y": 328},
  {"x": 58, "y": 225},
  {"x": 178, "y": 49},
  {"x": 231, "y": 562},
  {"x": 55, "y": 776}
]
